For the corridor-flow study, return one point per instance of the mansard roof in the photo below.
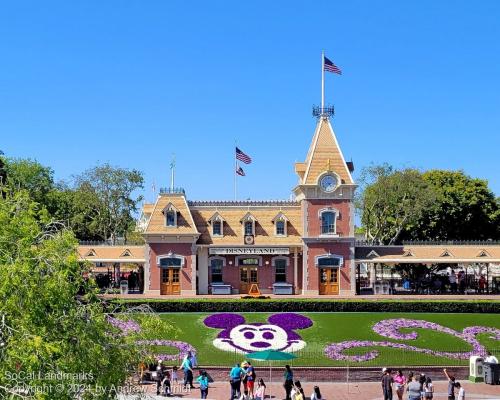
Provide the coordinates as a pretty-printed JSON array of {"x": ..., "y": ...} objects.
[{"x": 324, "y": 155}]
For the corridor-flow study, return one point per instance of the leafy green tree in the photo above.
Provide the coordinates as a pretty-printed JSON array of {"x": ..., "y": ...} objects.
[
  {"x": 392, "y": 201},
  {"x": 465, "y": 209},
  {"x": 115, "y": 188},
  {"x": 48, "y": 326},
  {"x": 29, "y": 175}
]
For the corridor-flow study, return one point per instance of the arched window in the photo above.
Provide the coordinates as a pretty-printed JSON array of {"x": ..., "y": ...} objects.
[
  {"x": 170, "y": 260},
  {"x": 329, "y": 261},
  {"x": 328, "y": 220}
]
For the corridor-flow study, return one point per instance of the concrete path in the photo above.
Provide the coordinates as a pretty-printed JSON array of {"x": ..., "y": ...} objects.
[{"x": 330, "y": 391}]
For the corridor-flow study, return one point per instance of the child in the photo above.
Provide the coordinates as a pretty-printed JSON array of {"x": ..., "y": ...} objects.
[
  {"x": 203, "y": 381},
  {"x": 260, "y": 393},
  {"x": 174, "y": 374},
  {"x": 316, "y": 394},
  {"x": 461, "y": 391}
]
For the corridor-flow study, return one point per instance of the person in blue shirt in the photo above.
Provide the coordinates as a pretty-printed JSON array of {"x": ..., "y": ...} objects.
[
  {"x": 235, "y": 380},
  {"x": 203, "y": 381},
  {"x": 187, "y": 366}
]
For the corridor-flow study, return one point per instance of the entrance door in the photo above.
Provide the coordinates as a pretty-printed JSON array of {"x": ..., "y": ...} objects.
[
  {"x": 328, "y": 281},
  {"x": 170, "y": 281},
  {"x": 248, "y": 276}
]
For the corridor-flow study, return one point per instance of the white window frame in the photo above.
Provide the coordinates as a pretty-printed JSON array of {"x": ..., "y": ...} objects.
[
  {"x": 248, "y": 218},
  {"x": 287, "y": 264},
  {"x": 285, "y": 233},
  {"x": 170, "y": 209},
  {"x": 323, "y": 256},
  {"x": 221, "y": 222},
  {"x": 320, "y": 216},
  {"x": 170, "y": 255}
]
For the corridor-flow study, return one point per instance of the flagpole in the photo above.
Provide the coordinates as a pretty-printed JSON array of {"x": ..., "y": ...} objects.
[
  {"x": 235, "y": 168},
  {"x": 322, "y": 81}
]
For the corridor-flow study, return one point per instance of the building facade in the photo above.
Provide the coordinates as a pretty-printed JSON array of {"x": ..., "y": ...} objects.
[{"x": 305, "y": 246}]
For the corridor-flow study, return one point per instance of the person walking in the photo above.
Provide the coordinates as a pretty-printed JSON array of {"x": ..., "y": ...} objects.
[
  {"x": 414, "y": 389},
  {"x": 428, "y": 389},
  {"x": 316, "y": 394},
  {"x": 387, "y": 382},
  {"x": 288, "y": 385},
  {"x": 203, "y": 381},
  {"x": 260, "y": 392},
  {"x": 451, "y": 385},
  {"x": 235, "y": 381},
  {"x": 250, "y": 375},
  {"x": 188, "y": 370},
  {"x": 400, "y": 382},
  {"x": 159, "y": 376},
  {"x": 244, "y": 380},
  {"x": 461, "y": 391}
]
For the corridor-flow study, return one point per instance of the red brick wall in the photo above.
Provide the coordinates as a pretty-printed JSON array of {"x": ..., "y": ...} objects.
[
  {"x": 183, "y": 249},
  {"x": 314, "y": 221},
  {"x": 231, "y": 273},
  {"x": 318, "y": 249}
]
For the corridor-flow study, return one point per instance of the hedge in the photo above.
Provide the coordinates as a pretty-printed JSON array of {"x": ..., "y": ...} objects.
[{"x": 311, "y": 305}]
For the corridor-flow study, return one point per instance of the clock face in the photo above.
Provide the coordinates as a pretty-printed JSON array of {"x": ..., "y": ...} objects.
[{"x": 328, "y": 183}]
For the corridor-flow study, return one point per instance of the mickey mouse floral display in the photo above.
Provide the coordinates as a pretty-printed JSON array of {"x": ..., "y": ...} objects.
[
  {"x": 278, "y": 334},
  {"x": 390, "y": 328}
]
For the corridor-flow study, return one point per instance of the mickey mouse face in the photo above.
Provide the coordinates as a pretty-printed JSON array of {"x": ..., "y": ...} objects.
[
  {"x": 243, "y": 337},
  {"x": 262, "y": 337}
]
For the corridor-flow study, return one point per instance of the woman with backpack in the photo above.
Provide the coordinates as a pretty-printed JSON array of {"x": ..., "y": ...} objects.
[{"x": 203, "y": 381}]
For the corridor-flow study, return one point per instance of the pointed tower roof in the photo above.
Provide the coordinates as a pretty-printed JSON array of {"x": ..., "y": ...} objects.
[{"x": 324, "y": 155}]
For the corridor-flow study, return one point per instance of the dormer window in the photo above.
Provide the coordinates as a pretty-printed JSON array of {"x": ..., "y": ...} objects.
[
  {"x": 280, "y": 224},
  {"x": 248, "y": 228},
  {"x": 217, "y": 223},
  {"x": 170, "y": 217},
  {"x": 170, "y": 213},
  {"x": 217, "y": 228},
  {"x": 248, "y": 222},
  {"x": 328, "y": 219},
  {"x": 280, "y": 228}
]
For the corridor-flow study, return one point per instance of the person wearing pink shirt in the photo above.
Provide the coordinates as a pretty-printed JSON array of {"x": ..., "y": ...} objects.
[{"x": 400, "y": 382}]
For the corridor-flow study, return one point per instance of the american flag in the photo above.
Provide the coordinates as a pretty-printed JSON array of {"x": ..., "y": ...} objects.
[
  {"x": 242, "y": 156},
  {"x": 331, "y": 67},
  {"x": 240, "y": 171}
]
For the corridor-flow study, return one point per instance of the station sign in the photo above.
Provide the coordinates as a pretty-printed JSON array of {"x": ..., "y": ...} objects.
[{"x": 220, "y": 251}]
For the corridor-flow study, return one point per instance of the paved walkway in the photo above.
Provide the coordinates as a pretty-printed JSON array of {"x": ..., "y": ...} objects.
[
  {"x": 333, "y": 391},
  {"x": 324, "y": 297}
]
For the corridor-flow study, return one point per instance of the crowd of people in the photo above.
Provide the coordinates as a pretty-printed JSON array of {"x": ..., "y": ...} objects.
[
  {"x": 417, "y": 386},
  {"x": 452, "y": 282}
]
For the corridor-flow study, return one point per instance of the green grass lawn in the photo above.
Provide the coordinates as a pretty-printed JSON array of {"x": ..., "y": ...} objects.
[{"x": 337, "y": 327}]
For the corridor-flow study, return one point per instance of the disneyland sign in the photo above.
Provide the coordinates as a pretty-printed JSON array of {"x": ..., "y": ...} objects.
[{"x": 219, "y": 251}]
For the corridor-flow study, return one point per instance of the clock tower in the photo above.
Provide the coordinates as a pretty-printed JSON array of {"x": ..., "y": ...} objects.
[{"x": 325, "y": 191}]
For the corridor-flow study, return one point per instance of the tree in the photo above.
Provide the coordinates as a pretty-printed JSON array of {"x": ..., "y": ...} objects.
[
  {"x": 30, "y": 175},
  {"x": 465, "y": 209},
  {"x": 115, "y": 188},
  {"x": 47, "y": 326},
  {"x": 391, "y": 202}
]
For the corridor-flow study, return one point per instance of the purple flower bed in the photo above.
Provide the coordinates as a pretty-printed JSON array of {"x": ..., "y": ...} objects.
[
  {"x": 183, "y": 348},
  {"x": 125, "y": 326},
  {"x": 390, "y": 328}
]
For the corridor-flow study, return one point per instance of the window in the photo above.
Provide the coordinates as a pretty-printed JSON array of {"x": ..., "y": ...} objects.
[
  {"x": 280, "y": 270},
  {"x": 217, "y": 228},
  {"x": 329, "y": 260},
  {"x": 216, "y": 270},
  {"x": 248, "y": 228},
  {"x": 327, "y": 222},
  {"x": 171, "y": 218},
  {"x": 170, "y": 262},
  {"x": 280, "y": 227}
]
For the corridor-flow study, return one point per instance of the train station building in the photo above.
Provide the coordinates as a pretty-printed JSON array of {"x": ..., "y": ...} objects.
[{"x": 302, "y": 247}]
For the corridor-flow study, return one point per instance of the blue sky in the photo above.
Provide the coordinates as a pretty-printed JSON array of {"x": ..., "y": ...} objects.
[{"x": 131, "y": 82}]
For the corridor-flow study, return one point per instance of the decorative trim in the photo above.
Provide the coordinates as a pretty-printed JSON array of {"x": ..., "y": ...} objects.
[
  {"x": 170, "y": 255},
  {"x": 335, "y": 256},
  {"x": 216, "y": 258},
  {"x": 287, "y": 259}
]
